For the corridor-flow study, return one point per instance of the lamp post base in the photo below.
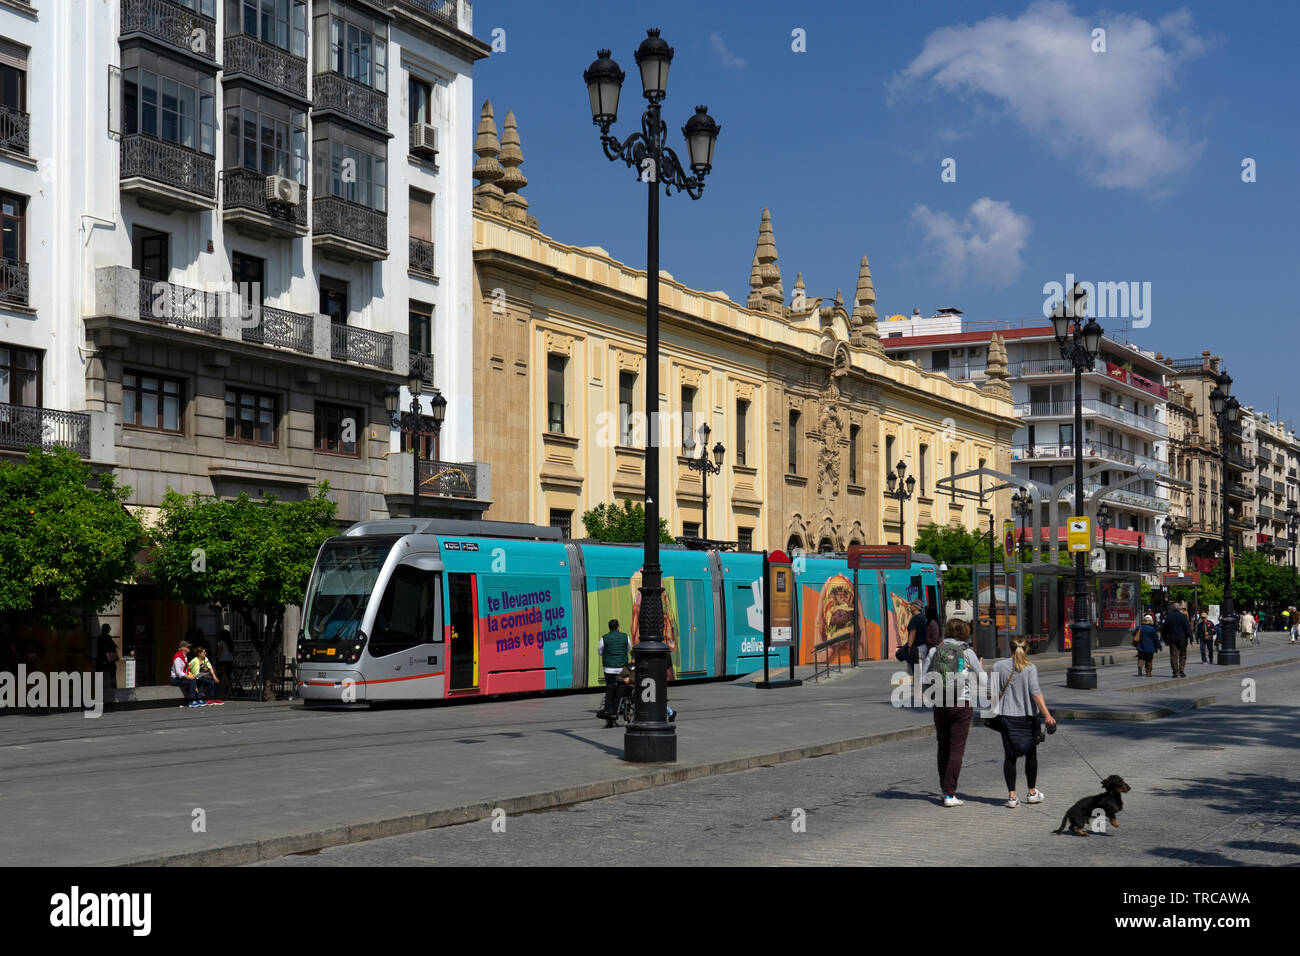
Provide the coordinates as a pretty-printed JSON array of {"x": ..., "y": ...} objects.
[
  {"x": 1081, "y": 678},
  {"x": 650, "y": 743}
]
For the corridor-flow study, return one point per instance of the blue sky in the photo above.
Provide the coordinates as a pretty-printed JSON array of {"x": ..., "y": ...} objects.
[{"x": 1123, "y": 165}]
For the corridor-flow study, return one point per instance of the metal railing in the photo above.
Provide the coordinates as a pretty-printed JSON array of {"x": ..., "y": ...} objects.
[
  {"x": 252, "y": 57},
  {"x": 170, "y": 164},
  {"x": 1241, "y": 461},
  {"x": 15, "y": 130},
  {"x": 354, "y": 100},
  {"x": 22, "y": 427},
  {"x": 1040, "y": 367},
  {"x": 1146, "y": 423},
  {"x": 442, "y": 9},
  {"x": 246, "y": 189},
  {"x": 178, "y": 305},
  {"x": 14, "y": 281},
  {"x": 286, "y": 330},
  {"x": 349, "y": 220},
  {"x": 1187, "y": 364},
  {"x": 420, "y": 255},
  {"x": 421, "y": 363},
  {"x": 1237, "y": 490},
  {"x": 351, "y": 344},
  {"x": 173, "y": 24},
  {"x": 448, "y": 478}
]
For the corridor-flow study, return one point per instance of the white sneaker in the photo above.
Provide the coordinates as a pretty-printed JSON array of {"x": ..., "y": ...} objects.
[
  {"x": 953, "y": 802},
  {"x": 1012, "y": 803},
  {"x": 1036, "y": 797}
]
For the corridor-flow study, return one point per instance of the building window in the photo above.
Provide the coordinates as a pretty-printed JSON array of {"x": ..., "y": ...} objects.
[
  {"x": 152, "y": 402},
  {"x": 854, "y": 432},
  {"x": 13, "y": 220},
  {"x": 426, "y": 440},
  {"x": 742, "y": 430},
  {"x": 420, "y": 97},
  {"x": 421, "y": 215},
  {"x": 690, "y": 529},
  {"x": 793, "y": 450},
  {"x": 265, "y": 135},
  {"x": 688, "y": 419},
  {"x": 249, "y": 275},
  {"x": 420, "y": 327},
  {"x": 939, "y": 360},
  {"x": 626, "y": 398},
  {"x": 921, "y": 468},
  {"x": 334, "y": 299},
  {"x": 167, "y": 99},
  {"x": 351, "y": 43},
  {"x": 745, "y": 539},
  {"x": 351, "y": 166},
  {"x": 562, "y": 520},
  {"x": 250, "y": 417},
  {"x": 13, "y": 96},
  {"x": 281, "y": 23},
  {"x": 952, "y": 462},
  {"x": 150, "y": 253},
  {"x": 889, "y": 458},
  {"x": 20, "y": 377},
  {"x": 556, "y": 369},
  {"x": 337, "y": 428}
]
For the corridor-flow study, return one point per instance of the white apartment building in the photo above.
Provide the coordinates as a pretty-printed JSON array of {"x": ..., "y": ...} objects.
[
  {"x": 1125, "y": 433},
  {"x": 230, "y": 227}
]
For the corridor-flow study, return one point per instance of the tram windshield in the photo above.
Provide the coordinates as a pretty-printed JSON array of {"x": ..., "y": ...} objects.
[{"x": 340, "y": 590}]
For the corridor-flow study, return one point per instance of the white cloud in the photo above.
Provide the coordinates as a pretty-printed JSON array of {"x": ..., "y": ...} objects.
[
  {"x": 724, "y": 55},
  {"x": 1099, "y": 109},
  {"x": 986, "y": 243}
]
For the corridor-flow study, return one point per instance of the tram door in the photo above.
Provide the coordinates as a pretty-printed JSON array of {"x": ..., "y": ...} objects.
[{"x": 462, "y": 619}]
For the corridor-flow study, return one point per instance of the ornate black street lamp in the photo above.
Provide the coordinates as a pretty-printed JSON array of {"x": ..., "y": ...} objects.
[
  {"x": 1173, "y": 533},
  {"x": 1079, "y": 344},
  {"x": 706, "y": 468},
  {"x": 1227, "y": 410},
  {"x": 1022, "y": 504},
  {"x": 411, "y": 424},
  {"x": 651, "y": 738},
  {"x": 901, "y": 491},
  {"x": 1103, "y": 522}
]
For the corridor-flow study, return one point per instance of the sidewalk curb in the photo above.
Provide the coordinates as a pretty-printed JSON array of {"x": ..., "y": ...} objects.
[
  {"x": 1154, "y": 713},
  {"x": 1202, "y": 678}
]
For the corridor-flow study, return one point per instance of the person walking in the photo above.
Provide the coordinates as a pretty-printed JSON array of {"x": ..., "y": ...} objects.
[
  {"x": 955, "y": 665},
  {"x": 1205, "y": 637},
  {"x": 1147, "y": 640},
  {"x": 613, "y": 649},
  {"x": 1016, "y": 681},
  {"x": 1248, "y": 627},
  {"x": 1295, "y": 627},
  {"x": 1177, "y": 631},
  {"x": 106, "y": 656}
]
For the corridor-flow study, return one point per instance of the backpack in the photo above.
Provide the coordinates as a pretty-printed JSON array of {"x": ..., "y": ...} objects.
[{"x": 949, "y": 658}]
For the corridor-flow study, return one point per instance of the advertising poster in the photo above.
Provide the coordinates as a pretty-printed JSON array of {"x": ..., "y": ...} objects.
[
  {"x": 1007, "y": 594},
  {"x": 525, "y": 625},
  {"x": 827, "y": 614},
  {"x": 622, "y": 601},
  {"x": 1119, "y": 604}
]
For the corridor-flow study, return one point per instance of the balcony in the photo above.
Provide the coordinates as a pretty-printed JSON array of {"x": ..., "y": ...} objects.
[
  {"x": 422, "y": 363},
  {"x": 248, "y": 56},
  {"x": 451, "y": 479},
  {"x": 167, "y": 176},
  {"x": 1265, "y": 483},
  {"x": 178, "y": 305},
  {"x": 1131, "y": 499},
  {"x": 1041, "y": 367},
  {"x": 420, "y": 257},
  {"x": 334, "y": 93},
  {"x": 351, "y": 344},
  {"x": 22, "y": 427},
  {"x": 172, "y": 25},
  {"x": 1149, "y": 425},
  {"x": 13, "y": 282},
  {"x": 348, "y": 230},
  {"x": 1240, "y": 492},
  {"x": 243, "y": 195},
  {"x": 440, "y": 9},
  {"x": 286, "y": 330},
  {"x": 1091, "y": 449},
  {"x": 447, "y": 488},
  {"x": 15, "y": 130},
  {"x": 1239, "y": 461}
]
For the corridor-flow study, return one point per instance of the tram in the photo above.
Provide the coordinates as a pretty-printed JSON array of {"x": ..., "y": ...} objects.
[{"x": 431, "y": 609}]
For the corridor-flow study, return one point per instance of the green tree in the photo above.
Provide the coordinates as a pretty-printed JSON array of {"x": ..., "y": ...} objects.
[
  {"x": 252, "y": 558},
  {"x": 66, "y": 547},
  {"x": 609, "y": 522},
  {"x": 953, "y": 546}
]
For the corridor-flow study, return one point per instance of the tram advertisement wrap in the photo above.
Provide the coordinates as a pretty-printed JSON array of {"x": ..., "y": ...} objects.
[
  {"x": 526, "y": 626},
  {"x": 622, "y": 602},
  {"x": 828, "y": 615}
]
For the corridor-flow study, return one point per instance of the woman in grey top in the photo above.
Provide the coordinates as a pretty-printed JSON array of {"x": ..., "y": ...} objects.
[{"x": 1022, "y": 694}]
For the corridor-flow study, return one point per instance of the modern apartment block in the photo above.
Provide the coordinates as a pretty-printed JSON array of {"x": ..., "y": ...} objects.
[
  {"x": 1277, "y": 485},
  {"x": 230, "y": 228},
  {"x": 1125, "y": 432}
]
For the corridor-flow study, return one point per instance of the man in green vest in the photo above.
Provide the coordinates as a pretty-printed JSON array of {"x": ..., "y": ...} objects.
[{"x": 613, "y": 650}]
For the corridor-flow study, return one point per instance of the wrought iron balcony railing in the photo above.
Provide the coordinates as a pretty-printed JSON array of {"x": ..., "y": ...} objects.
[
  {"x": 351, "y": 344},
  {"x": 442, "y": 9},
  {"x": 169, "y": 164},
  {"x": 15, "y": 130},
  {"x": 178, "y": 305},
  {"x": 448, "y": 478},
  {"x": 46, "y": 428},
  {"x": 14, "y": 287},
  {"x": 246, "y": 189},
  {"x": 287, "y": 330},
  {"x": 1238, "y": 490},
  {"x": 332, "y": 91},
  {"x": 349, "y": 220},
  {"x": 174, "y": 25},
  {"x": 250, "y": 56},
  {"x": 422, "y": 363},
  {"x": 421, "y": 256}
]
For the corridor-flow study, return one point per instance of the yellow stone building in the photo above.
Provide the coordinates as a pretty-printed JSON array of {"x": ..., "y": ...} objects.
[{"x": 811, "y": 412}]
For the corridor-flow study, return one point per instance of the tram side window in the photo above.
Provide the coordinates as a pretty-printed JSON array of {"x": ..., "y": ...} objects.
[{"x": 405, "y": 615}]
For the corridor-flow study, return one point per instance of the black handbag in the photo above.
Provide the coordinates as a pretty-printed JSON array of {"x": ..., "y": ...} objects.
[{"x": 997, "y": 723}]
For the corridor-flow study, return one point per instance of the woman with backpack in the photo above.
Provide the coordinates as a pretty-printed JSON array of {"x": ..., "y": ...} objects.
[
  {"x": 955, "y": 665},
  {"x": 1015, "y": 680},
  {"x": 1146, "y": 638}
]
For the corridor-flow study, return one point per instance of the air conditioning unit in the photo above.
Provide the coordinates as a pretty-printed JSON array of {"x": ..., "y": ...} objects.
[
  {"x": 424, "y": 140},
  {"x": 281, "y": 190}
]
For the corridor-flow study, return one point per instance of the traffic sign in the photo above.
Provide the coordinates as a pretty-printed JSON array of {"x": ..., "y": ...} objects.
[{"x": 1079, "y": 534}]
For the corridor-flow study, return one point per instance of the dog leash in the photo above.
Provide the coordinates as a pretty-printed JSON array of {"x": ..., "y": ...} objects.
[{"x": 1081, "y": 756}]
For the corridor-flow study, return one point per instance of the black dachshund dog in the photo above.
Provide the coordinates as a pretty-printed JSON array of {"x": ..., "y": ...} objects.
[{"x": 1078, "y": 816}]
